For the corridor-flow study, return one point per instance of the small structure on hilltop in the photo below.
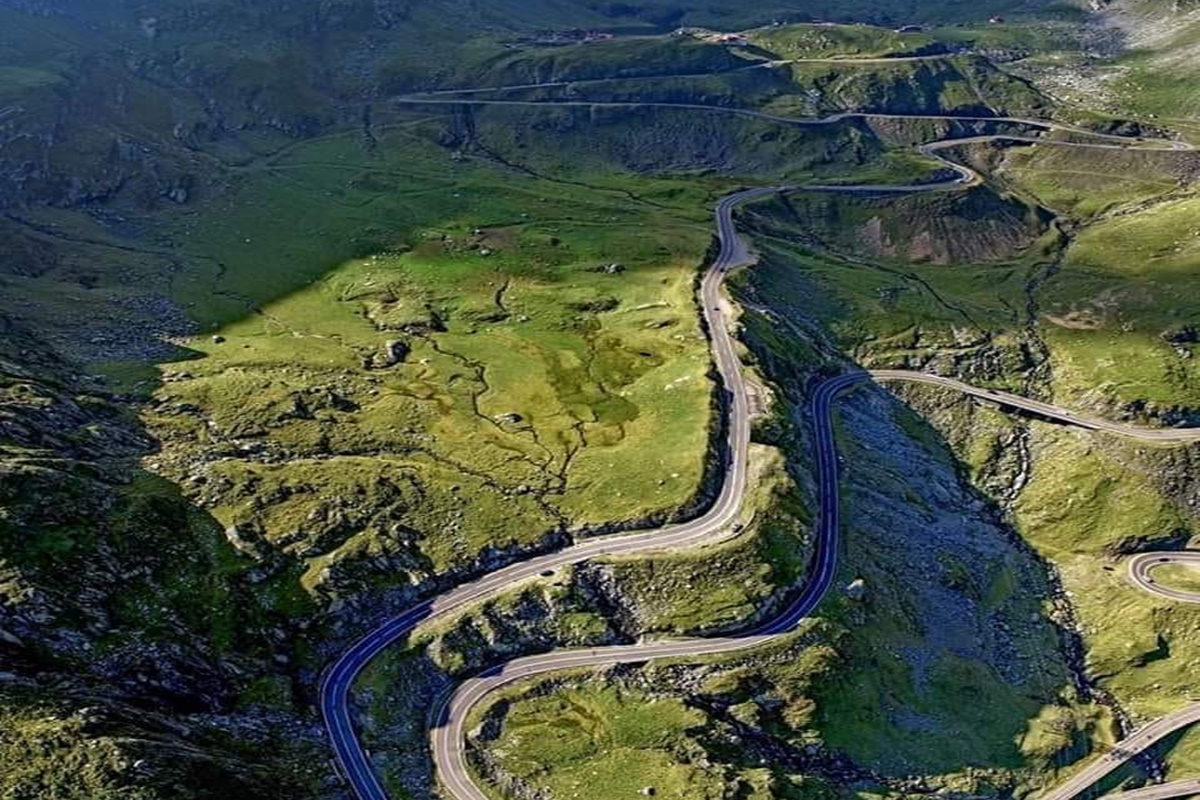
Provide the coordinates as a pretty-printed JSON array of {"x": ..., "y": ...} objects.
[
  {"x": 576, "y": 36},
  {"x": 712, "y": 37}
]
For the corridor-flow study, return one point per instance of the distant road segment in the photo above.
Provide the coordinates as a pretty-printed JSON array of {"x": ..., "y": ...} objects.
[
  {"x": 1108, "y": 141},
  {"x": 1160, "y": 791},
  {"x": 1143, "y": 565},
  {"x": 449, "y": 717},
  {"x": 715, "y": 525},
  {"x": 1046, "y": 410}
]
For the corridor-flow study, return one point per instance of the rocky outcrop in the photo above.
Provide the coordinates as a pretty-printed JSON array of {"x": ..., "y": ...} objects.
[
  {"x": 973, "y": 227},
  {"x": 115, "y": 595}
]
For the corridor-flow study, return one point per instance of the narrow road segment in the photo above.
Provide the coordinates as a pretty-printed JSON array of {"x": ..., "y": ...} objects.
[
  {"x": 1160, "y": 791},
  {"x": 713, "y": 526},
  {"x": 1143, "y": 565},
  {"x": 1045, "y": 410},
  {"x": 448, "y": 717}
]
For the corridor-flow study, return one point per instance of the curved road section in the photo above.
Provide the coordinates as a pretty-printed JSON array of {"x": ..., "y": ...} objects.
[
  {"x": 1045, "y": 410},
  {"x": 712, "y": 527},
  {"x": 451, "y": 716},
  {"x": 1141, "y": 567}
]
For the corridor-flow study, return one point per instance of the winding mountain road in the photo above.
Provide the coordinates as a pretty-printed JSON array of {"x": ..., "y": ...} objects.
[
  {"x": 1115, "y": 141},
  {"x": 449, "y": 716},
  {"x": 714, "y": 526},
  {"x": 965, "y": 175},
  {"x": 1045, "y": 410},
  {"x": 1141, "y": 566}
]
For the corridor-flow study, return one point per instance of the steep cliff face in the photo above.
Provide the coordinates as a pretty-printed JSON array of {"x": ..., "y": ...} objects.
[
  {"x": 179, "y": 655},
  {"x": 975, "y": 227},
  {"x": 131, "y": 642}
]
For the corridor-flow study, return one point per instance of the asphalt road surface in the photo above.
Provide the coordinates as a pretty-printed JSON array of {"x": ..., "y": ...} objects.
[
  {"x": 1127, "y": 749},
  {"x": 1160, "y": 791},
  {"x": 717, "y": 524},
  {"x": 714, "y": 526},
  {"x": 1141, "y": 566},
  {"x": 450, "y": 716},
  {"x": 1044, "y": 410}
]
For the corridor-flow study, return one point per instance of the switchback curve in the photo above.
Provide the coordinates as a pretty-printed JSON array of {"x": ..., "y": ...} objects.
[{"x": 712, "y": 527}]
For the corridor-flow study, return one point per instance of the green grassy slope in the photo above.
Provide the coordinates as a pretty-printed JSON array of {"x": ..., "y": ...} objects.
[
  {"x": 533, "y": 371},
  {"x": 444, "y": 336},
  {"x": 124, "y": 609},
  {"x": 1120, "y": 298},
  {"x": 1155, "y": 75}
]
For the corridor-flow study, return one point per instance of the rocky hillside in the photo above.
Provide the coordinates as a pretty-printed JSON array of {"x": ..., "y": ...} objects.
[
  {"x": 975, "y": 227},
  {"x": 169, "y": 167},
  {"x": 132, "y": 645}
]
